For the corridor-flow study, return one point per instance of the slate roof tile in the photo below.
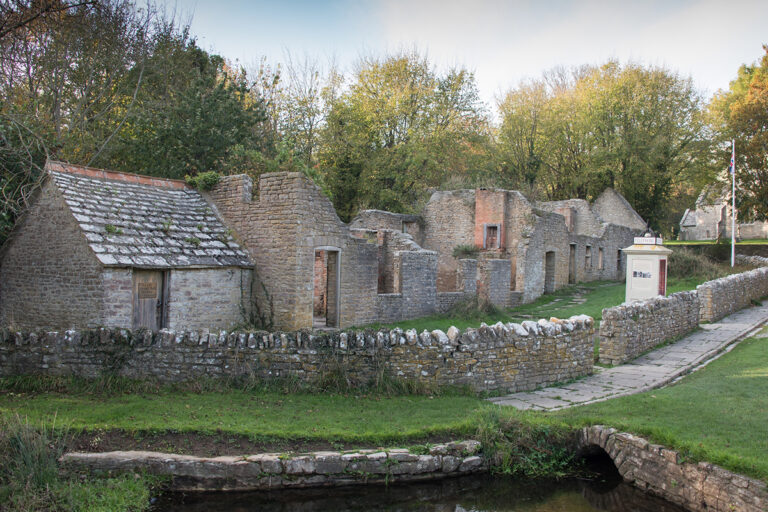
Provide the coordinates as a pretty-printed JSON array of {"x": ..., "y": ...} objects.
[{"x": 144, "y": 225}]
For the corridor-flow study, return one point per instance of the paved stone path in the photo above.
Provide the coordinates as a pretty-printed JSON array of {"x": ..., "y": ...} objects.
[{"x": 653, "y": 370}]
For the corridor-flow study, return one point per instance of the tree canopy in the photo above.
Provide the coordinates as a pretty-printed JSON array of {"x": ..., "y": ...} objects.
[{"x": 741, "y": 113}]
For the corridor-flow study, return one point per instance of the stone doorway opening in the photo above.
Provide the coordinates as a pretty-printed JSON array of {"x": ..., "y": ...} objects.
[
  {"x": 325, "y": 298},
  {"x": 572, "y": 265},
  {"x": 549, "y": 272}
]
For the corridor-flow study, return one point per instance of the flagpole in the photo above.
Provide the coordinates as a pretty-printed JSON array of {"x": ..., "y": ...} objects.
[{"x": 733, "y": 198}]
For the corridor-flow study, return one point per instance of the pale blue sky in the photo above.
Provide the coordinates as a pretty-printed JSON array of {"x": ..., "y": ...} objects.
[{"x": 501, "y": 41}]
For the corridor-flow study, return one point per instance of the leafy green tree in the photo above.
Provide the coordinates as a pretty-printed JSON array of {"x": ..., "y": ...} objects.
[
  {"x": 741, "y": 113},
  {"x": 399, "y": 129},
  {"x": 637, "y": 129}
]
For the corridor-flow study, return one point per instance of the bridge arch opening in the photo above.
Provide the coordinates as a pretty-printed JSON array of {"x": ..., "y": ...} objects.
[{"x": 596, "y": 461}]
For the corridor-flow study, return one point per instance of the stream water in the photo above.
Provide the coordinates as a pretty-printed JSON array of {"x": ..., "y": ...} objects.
[{"x": 471, "y": 493}]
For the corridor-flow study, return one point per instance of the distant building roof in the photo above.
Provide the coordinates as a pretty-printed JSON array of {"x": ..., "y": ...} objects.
[{"x": 140, "y": 221}]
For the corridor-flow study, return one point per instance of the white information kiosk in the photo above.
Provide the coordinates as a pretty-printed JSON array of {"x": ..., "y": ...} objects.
[{"x": 646, "y": 268}]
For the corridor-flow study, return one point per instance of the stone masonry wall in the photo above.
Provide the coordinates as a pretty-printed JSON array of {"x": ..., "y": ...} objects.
[
  {"x": 49, "y": 277},
  {"x": 698, "y": 487},
  {"x": 493, "y": 282},
  {"x": 415, "y": 273},
  {"x": 208, "y": 298},
  {"x": 506, "y": 357},
  {"x": 726, "y": 295},
  {"x": 281, "y": 229},
  {"x": 628, "y": 330},
  {"x": 449, "y": 221}
]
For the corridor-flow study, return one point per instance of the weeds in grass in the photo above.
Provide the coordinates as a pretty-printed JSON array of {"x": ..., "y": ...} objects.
[{"x": 525, "y": 448}]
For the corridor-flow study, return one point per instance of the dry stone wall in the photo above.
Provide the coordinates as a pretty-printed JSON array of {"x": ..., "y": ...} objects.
[
  {"x": 507, "y": 357},
  {"x": 698, "y": 487},
  {"x": 628, "y": 330},
  {"x": 729, "y": 294}
]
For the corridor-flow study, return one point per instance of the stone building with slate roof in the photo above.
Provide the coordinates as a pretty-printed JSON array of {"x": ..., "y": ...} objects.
[{"x": 102, "y": 248}]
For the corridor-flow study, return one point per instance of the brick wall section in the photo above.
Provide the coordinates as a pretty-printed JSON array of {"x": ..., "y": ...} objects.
[
  {"x": 628, "y": 330},
  {"x": 415, "y": 273},
  {"x": 490, "y": 208},
  {"x": 449, "y": 221},
  {"x": 726, "y": 295},
  {"x": 698, "y": 487},
  {"x": 49, "y": 277},
  {"x": 506, "y": 357},
  {"x": 208, "y": 298},
  {"x": 281, "y": 229}
]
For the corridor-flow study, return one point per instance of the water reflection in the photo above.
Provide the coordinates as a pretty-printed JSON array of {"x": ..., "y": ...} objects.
[{"x": 473, "y": 493}]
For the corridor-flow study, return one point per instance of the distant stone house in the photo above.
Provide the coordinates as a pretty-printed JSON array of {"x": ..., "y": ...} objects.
[
  {"x": 100, "y": 248},
  {"x": 711, "y": 219}
]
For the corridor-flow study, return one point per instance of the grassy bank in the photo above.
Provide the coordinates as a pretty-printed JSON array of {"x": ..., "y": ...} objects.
[{"x": 718, "y": 414}]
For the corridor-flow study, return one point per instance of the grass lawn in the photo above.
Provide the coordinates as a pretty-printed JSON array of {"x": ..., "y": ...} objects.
[
  {"x": 718, "y": 414},
  {"x": 262, "y": 416},
  {"x": 753, "y": 241},
  {"x": 580, "y": 299}
]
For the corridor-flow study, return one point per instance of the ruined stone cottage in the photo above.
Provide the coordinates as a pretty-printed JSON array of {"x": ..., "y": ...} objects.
[
  {"x": 524, "y": 249},
  {"x": 121, "y": 250},
  {"x": 711, "y": 219}
]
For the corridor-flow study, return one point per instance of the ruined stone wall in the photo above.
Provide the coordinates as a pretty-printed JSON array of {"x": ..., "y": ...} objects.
[
  {"x": 390, "y": 242},
  {"x": 585, "y": 222},
  {"x": 614, "y": 239},
  {"x": 376, "y": 220},
  {"x": 490, "y": 209},
  {"x": 208, "y": 298},
  {"x": 698, "y": 487},
  {"x": 49, "y": 277},
  {"x": 612, "y": 207},
  {"x": 705, "y": 223},
  {"x": 467, "y": 286},
  {"x": 547, "y": 233},
  {"x": 493, "y": 282},
  {"x": 415, "y": 273},
  {"x": 281, "y": 229},
  {"x": 629, "y": 330},
  {"x": 449, "y": 221},
  {"x": 726, "y": 295},
  {"x": 507, "y": 357}
]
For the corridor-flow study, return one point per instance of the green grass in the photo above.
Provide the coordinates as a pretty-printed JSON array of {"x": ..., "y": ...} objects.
[
  {"x": 754, "y": 241},
  {"x": 597, "y": 294},
  {"x": 263, "y": 416},
  {"x": 718, "y": 414}
]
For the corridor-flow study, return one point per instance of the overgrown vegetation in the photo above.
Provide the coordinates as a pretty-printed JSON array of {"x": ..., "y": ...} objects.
[
  {"x": 203, "y": 180},
  {"x": 30, "y": 477},
  {"x": 465, "y": 251}
]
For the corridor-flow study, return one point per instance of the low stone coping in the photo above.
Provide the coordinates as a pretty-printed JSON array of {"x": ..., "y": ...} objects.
[{"x": 284, "y": 470}]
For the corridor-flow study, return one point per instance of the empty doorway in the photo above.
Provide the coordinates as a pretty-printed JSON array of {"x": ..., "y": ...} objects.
[
  {"x": 572, "y": 265},
  {"x": 325, "y": 303},
  {"x": 549, "y": 272}
]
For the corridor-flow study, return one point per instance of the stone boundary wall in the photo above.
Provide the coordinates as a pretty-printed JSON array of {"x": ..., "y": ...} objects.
[
  {"x": 721, "y": 297},
  {"x": 286, "y": 471},
  {"x": 507, "y": 357},
  {"x": 758, "y": 261},
  {"x": 699, "y": 487},
  {"x": 447, "y": 300},
  {"x": 415, "y": 275},
  {"x": 628, "y": 330}
]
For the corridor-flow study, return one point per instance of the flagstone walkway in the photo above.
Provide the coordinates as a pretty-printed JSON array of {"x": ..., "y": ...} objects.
[{"x": 653, "y": 370}]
